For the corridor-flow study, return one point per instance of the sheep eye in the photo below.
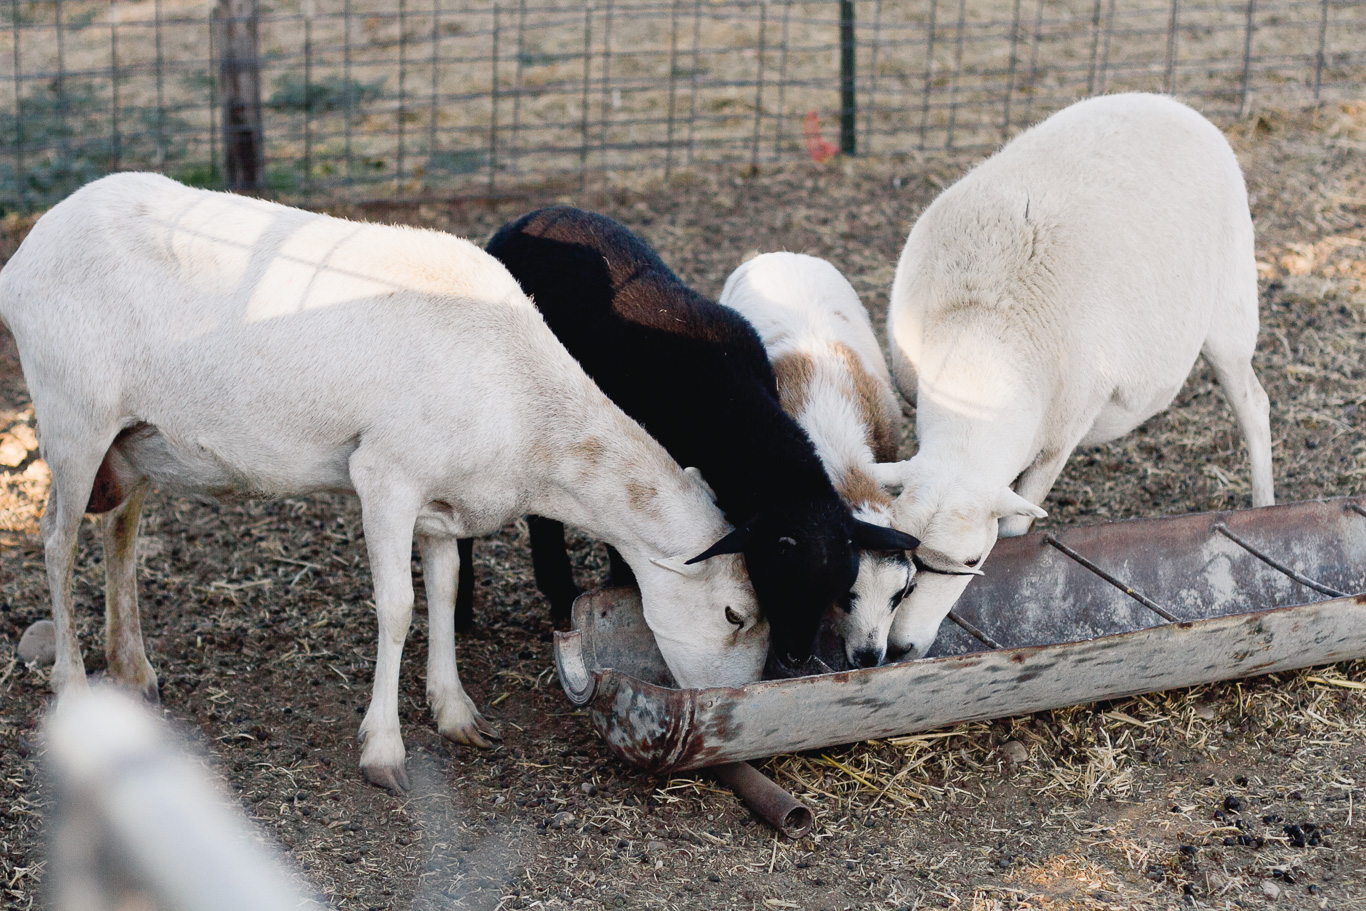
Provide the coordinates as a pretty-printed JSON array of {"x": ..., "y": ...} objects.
[
  {"x": 901, "y": 596},
  {"x": 735, "y": 618},
  {"x": 972, "y": 564},
  {"x": 845, "y": 602}
]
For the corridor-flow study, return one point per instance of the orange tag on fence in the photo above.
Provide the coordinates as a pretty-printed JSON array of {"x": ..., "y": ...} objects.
[{"x": 820, "y": 148}]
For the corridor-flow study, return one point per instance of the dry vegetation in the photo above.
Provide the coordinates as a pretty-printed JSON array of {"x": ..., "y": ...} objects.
[
  {"x": 474, "y": 95},
  {"x": 259, "y": 624}
]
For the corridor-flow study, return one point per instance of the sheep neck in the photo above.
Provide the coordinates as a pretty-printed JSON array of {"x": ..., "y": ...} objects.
[{"x": 617, "y": 484}]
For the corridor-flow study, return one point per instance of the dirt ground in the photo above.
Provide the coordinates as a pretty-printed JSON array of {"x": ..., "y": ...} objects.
[{"x": 259, "y": 622}]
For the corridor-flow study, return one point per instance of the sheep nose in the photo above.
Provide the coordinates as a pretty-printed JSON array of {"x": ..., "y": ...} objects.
[{"x": 867, "y": 657}]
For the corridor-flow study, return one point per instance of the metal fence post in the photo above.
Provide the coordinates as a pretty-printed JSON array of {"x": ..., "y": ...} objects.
[
  {"x": 239, "y": 69},
  {"x": 848, "y": 100}
]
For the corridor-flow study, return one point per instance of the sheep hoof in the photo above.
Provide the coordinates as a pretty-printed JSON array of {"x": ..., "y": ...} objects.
[
  {"x": 475, "y": 733},
  {"x": 151, "y": 693},
  {"x": 136, "y": 676},
  {"x": 392, "y": 778}
]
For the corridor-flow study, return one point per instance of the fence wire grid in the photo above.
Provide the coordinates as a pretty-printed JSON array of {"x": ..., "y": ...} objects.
[{"x": 371, "y": 99}]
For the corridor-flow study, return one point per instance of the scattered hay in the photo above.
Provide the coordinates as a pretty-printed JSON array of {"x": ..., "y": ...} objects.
[{"x": 258, "y": 620}]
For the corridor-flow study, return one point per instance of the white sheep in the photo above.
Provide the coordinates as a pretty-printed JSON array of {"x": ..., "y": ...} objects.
[
  {"x": 833, "y": 380},
  {"x": 205, "y": 343},
  {"x": 1058, "y": 296}
]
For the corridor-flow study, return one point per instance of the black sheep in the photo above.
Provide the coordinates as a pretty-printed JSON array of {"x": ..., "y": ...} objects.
[{"x": 696, "y": 376}]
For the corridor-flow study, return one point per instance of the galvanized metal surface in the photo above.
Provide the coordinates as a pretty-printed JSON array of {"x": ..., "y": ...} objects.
[{"x": 1073, "y": 608}]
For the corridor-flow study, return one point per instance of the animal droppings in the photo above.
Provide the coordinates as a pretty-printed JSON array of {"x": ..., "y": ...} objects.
[
  {"x": 1304, "y": 835},
  {"x": 38, "y": 645}
]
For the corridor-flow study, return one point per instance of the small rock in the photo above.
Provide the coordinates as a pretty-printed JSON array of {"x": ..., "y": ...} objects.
[
  {"x": 560, "y": 820},
  {"x": 1205, "y": 711},
  {"x": 25, "y": 435},
  {"x": 499, "y": 800},
  {"x": 1271, "y": 890},
  {"x": 12, "y": 452},
  {"x": 1014, "y": 751},
  {"x": 38, "y": 645},
  {"x": 589, "y": 788},
  {"x": 151, "y": 546}
]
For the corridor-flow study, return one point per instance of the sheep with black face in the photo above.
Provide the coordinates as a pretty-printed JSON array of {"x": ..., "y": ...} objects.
[
  {"x": 833, "y": 379},
  {"x": 696, "y": 376}
]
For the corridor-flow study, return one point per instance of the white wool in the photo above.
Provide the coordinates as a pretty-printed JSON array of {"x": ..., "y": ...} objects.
[
  {"x": 1056, "y": 296},
  {"x": 803, "y": 308},
  {"x": 208, "y": 343}
]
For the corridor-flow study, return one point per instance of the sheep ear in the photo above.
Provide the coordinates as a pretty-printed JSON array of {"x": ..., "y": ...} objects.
[
  {"x": 732, "y": 543},
  {"x": 1011, "y": 503},
  {"x": 891, "y": 475},
  {"x": 868, "y": 536},
  {"x": 941, "y": 566},
  {"x": 696, "y": 475},
  {"x": 672, "y": 565}
]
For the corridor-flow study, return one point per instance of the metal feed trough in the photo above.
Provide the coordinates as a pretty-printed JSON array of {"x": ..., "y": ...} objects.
[{"x": 1062, "y": 617}]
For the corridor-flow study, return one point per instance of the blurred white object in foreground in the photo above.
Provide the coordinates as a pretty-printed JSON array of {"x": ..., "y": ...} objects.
[{"x": 136, "y": 818}]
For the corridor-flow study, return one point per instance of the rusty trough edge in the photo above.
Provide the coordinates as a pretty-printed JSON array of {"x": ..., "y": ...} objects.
[
  {"x": 683, "y": 725},
  {"x": 766, "y": 798},
  {"x": 579, "y": 683}
]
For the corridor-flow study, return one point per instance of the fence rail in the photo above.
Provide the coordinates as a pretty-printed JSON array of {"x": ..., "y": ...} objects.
[{"x": 375, "y": 98}]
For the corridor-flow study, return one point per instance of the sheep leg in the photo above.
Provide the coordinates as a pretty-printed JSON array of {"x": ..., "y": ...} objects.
[
  {"x": 1233, "y": 370},
  {"x": 60, "y": 527},
  {"x": 456, "y": 716},
  {"x": 123, "y": 647},
  {"x": 388, "y": 514},
  {"x": 74, "y": 465},
  {"x": 464, "y": 591},
  {"x": 550, "y": 560}
]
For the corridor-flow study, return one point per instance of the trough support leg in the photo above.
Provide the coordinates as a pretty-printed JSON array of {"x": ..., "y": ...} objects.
[{"x": 769, "y": 802}]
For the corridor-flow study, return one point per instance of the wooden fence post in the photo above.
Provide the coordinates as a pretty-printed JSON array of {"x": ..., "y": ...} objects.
[{"x": 239, "y": 71}]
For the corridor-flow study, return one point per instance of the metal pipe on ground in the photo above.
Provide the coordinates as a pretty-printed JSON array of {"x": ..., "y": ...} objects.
[{"x": 769, "y": 802}]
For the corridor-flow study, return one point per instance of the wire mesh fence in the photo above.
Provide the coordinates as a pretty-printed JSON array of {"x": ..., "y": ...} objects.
[{"x": 380, "y": 98}]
